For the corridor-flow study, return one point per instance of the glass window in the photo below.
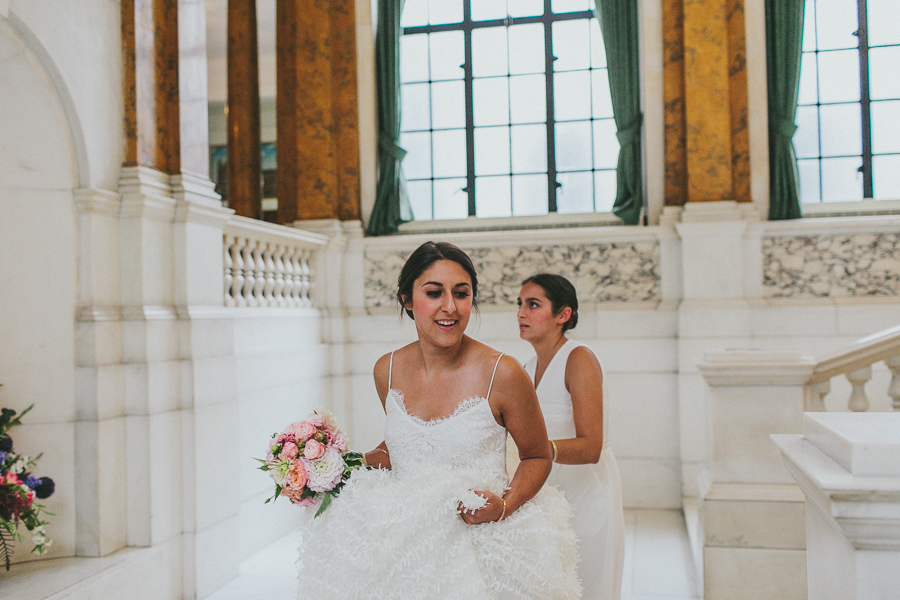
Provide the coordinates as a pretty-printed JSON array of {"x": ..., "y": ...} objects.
[{"x": 524, "y": 128}]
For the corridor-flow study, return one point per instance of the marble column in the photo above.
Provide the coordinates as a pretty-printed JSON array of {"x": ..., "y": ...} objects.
[
  {"x": 317, "y": 111},
  {"x": 243, "y": 110},
  {"x": 705, "y": 91}
]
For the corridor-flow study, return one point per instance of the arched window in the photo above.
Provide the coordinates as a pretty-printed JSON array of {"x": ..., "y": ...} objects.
[
  {"x": 848, "y": 116},
  {"x": 506, "y": 109}
]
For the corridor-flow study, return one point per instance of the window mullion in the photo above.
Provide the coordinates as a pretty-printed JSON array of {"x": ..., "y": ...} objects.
[
  {"x": 551, "y": 124},
  {"x": 470, "y": 109},
  {"x": 865, "y": 112}
]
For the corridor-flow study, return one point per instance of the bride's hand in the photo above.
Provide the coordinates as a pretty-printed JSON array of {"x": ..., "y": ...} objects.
[{"x": 489, "y": 512}]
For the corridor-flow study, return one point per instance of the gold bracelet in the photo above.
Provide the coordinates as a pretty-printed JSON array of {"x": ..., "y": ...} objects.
[
  {"x": 381, "y": 450},
  {"x": 555, "y": 450},
  {"x": 502, "y": 514}
]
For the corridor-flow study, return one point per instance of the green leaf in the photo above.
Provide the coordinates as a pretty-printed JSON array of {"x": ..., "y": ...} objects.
[{"x": 326, "y": 502}]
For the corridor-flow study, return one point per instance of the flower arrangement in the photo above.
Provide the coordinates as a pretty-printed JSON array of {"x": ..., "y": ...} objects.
[
  {"x": 18, "y": 490},
  {"x": 309, "y": 461}
]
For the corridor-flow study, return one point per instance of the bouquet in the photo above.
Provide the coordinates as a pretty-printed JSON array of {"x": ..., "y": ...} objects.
[
  {"x": 309, "y": 461},
  {"x": 18, "y": 490}
]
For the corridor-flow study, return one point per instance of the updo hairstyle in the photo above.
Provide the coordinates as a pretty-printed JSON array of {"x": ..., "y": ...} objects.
[
  {"x": 561, "y": 294},
  {"x": 421, "y": 260}
]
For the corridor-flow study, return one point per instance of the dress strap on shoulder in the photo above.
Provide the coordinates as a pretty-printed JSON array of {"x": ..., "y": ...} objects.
[
  {"x": 390, "y": 370},
  {"x": 497, "y": 364}
]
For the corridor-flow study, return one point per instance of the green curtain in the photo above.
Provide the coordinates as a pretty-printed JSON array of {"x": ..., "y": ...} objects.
[
  {"x": 391, "y": 201},
  {"x": 784, "y": 34},
  {"x": 619, "y": 24}
]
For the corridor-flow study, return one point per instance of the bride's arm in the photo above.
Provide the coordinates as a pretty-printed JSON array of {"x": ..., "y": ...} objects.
[
  {"x": 584, "y": 381},
  {"x": 514, "y": 398},
  {"x": 380, "y": 457}
]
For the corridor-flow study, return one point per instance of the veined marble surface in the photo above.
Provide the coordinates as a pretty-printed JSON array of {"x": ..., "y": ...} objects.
[
  {"x": 609, "y": 272},
  {"x": 836, "y": 266}
]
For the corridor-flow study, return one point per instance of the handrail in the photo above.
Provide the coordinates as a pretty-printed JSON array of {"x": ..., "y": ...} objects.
[{"x": 267, "y": 264}]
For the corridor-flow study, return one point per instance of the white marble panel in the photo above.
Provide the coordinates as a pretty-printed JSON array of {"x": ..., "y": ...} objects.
[
  {"x": 166, "y": 491},
  {"x": 790, "y": 321},
  {"x": 98, "y": 342},
  {"x": 100, "y": 486},
  {"x": 710, "y": 320},
  {"x": 261, "y": 523},
  {"x": 754, "y": 524},
  {"x": 866, "y": 319},
  {"x": 217, "y": 555},
  {"x": 661, "y": 557},
  {"x": 203, "y": 338},
  {"x": 692, "y": 351},
  {"x": 273, "y": 370},
  {"x": 213, "y": 379},
  {"x": 643, "y": 415},
  {"x": 100, "y": 391},
  {"x": 362, "y": 356},
  {"x": 626, "y": 323},
  {"x": 831, "y": 266},
  {"x": 754, "y": 574},
  {"x": 636, "y": 355},
  {"x": 258, "y": 334},
  {"x": 650, "y": 483},
  {"x": 381, "y": 328},
  {"x": 214, "y": 455},
  {"x": 151, "y": 340},
  {"x": 693, "y": 417},
  {"x": 153, "y": 387}
]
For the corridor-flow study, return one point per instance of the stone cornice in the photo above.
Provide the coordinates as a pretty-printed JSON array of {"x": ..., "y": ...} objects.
[
  {"x": 97, "y": 201},
  {"x": 756, "y": 368}
]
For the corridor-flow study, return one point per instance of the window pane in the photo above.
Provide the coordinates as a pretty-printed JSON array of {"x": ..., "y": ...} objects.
[
  {"x": 836, "y": 20},
  {"x": 525, "y": 8},
  {"x": 884, "y": 73},
  {"x": 604, "y": 190},
  {"x": 448, "y": 105},
  {"x": 489, "y": 52},
  {"x": 601, "y": 101},
  {"x": 806, "y": 138},
  {"x": 841, "y": 179},
  {"x": 886, "y": 176},
  {"x": 490, "y": 98},
  {"x": 447, "y": 55},
  {"x": 420, "y": 199},
  {"x": 841, "y": 130},
  {"x": 881, "y": 20},
  {"x": 840, "y": 76},
  {"x": 576, "y": 193},
  {"x": 809, "y": 26},
  {"x": 417, "y": 162},
  {"x": 414, "y": 107},
  {"x": 606, "y": 145},
  {"x": 885, "y": 127},
  {"x": 809, "y": 181},
  {"x": 485, "y": 10},
  {"x": 414, "y": 58},
  {"x": 564, "y": 6},
  {"x": 598, "y": 50},
  {"x": 573, "y": 146},
  {"x": 572, "y": 95},
  {"x": 449, "y": 154},
  {"x": 809, "y": 93},
  {"x": 492, "y": 197},
  {"x": 492, "y": 151},
  {"x": 529, "y": 149},
  {"x": 529, "y": 195},
  {"x": 445, "y": 11},
  {"x": 528, "y": 99},
  {"x": 571, "y": 45},
  {"x": 415, "y": 13},
  {"x": 526, "y": 48},
  {"x": 450, "y": 201}
]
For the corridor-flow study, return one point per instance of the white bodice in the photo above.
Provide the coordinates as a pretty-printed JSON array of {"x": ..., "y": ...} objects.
[{"x": 468, "y": 441}]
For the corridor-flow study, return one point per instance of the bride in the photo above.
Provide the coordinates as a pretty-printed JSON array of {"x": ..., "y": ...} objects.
[{"x": 439, "y": 518}]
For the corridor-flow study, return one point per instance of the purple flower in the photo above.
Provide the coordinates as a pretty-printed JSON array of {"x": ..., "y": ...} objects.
[
  {"x": 45, "y": 488},
  {"x": 32, "y": 481},
  {"x": 2, "y": 457}
]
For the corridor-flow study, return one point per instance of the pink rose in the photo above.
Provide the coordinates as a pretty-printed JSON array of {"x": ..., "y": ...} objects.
[
  {"x": 339, "y": 441},
  {"x": 313, "y": 450},
  {"x": 290, "y": 450},
  {"x": 317, "y": 420},
  {"x": 302, "y": 430},
  {"x": 296, "y": 477},
  {"x": 284, "y": 436}
]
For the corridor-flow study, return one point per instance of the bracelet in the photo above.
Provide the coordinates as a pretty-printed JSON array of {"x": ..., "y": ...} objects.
[
  {"x": 555, "y": 450},
  {"x": 502, "y": 514},
  {"x": 380, "y": 449}
]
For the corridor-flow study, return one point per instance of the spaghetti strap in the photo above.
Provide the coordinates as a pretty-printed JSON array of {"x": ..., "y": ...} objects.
[
  {"x": 390, "y": 370},
  {"x": 497, "y": 364}
]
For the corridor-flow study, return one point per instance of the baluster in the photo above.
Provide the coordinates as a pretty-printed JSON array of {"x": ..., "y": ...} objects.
[
  {"x": 237, "y": 270},
  {"x": 307, "y": 284},
  {"x": 279, "y": 276},
  {"x": 229, "y": 277},
  {"x": 260, "y": 284},
  {"x": 289, "y": 286},
  {"x": 270, "y": 275},
  {"x": 893, "y": 363},
  {"x": 858, "y": 378},
  {"x": 814, "y": 396},
  {"x": 298, "y": 277},
  {"x": 249, "y": 273}
]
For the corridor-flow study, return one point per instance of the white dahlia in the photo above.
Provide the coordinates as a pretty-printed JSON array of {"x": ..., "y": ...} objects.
[{"x": 325, "y": 472}]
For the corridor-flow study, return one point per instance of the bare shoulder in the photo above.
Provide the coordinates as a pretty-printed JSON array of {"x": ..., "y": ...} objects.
[
  {"x": 582, "y": 358},
  {"x": 382, "y": 369}
]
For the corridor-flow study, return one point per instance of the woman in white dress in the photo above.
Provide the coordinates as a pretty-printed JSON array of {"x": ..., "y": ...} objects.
[
  {"x": 400, "y": 531},
  {"x": 569, "y": 384}
]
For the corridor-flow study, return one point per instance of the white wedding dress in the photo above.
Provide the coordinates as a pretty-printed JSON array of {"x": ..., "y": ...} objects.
[
  {"x": 595, "y": 490},
  {"x": 397, "y": 535}
]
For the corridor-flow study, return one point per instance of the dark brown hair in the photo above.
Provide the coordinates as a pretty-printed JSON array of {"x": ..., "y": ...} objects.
[
  {"x": 421, "y": 259},
  {"x": 560, "y": 292}
]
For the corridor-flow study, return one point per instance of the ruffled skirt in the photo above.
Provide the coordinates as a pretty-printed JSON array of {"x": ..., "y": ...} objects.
[{"x": 388, "y": 537}]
